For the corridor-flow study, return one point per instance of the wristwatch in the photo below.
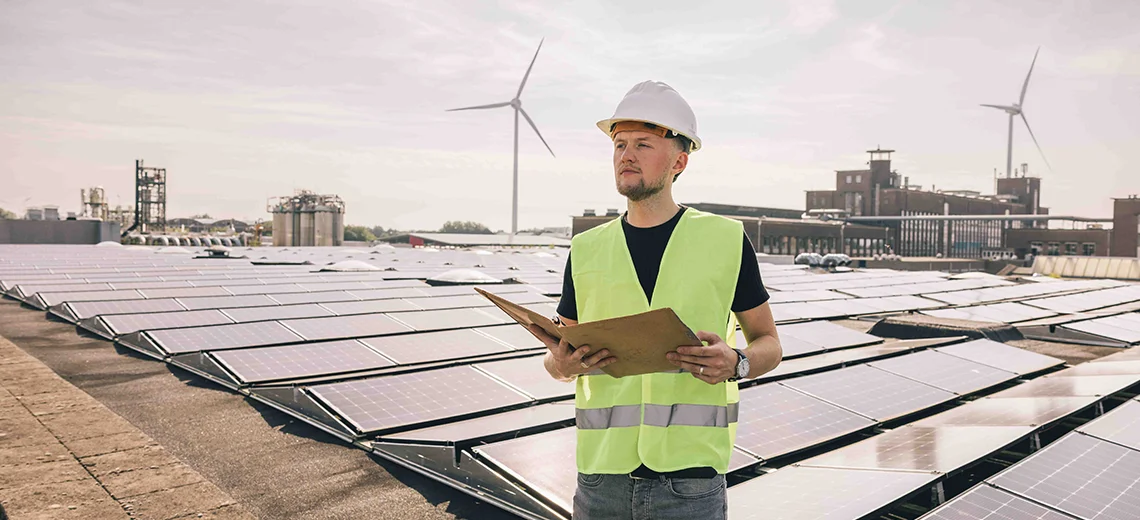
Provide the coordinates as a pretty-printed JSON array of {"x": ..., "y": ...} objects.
[{"x": 742, "y": 366}]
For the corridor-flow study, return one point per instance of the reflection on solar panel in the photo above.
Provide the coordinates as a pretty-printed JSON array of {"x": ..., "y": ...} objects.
[
  {"x": 826, "y": 335},
  {"x": 1123, "y": 327},
  {"x": 947, "y": 372},
  {"x": 1000, "y": 355},
  {"x": 126, "y": 323},
  {"x": 1080, "y": 475},
  {"x": 383, "y": 403},
  {"x": 480, "y": 427},
  {"x": 1122, "y": 425},
  {"x": 513, "y": 335},
  {"x": 294, "y": 361},
  {"x": 435, "y": 346},
  {"x": 984, "y": 501},
  {"x": 1087, "y": 301},
  {"x": 345, "y": 326},
  {"x": 84, "y": 310},
  {"x": 776, "y": 420},
  {"x": 224, "y": 302},
  {"x": 870, "y": 392},
  {"x": 798, "y": 493},
  {"x": 450, "y": 319},
  {"x": 922, "y": 448},
  {"x": 195, "y": 339},
  {"x": 277, "y": 312},
  {"x": 1010, "y": 411},
  {"x": 1057, "y": 386},
  {"x": 545, "y": 462},
  {"x": 1104, "y": 368},
  {"x": 529, "y": 375},
  {"x": 996, "y": 313}
]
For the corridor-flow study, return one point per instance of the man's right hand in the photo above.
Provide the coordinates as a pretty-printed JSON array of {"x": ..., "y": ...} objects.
[{"x": 565, "y": 362}]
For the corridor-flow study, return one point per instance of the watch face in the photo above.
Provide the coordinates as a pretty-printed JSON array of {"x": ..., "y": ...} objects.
[{"x": 742, "y": 366}]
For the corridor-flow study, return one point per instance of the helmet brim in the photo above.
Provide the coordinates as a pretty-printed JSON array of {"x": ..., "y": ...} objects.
[{"x": 606, "y": 124}]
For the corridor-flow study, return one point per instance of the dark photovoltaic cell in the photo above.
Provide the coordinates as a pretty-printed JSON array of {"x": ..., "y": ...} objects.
[
  {"x": 944, "y": 371},
  {"x": 544, "y": 462},
  {"x": 479, "y": 427},
  {"x": 450, "y": 318},
  {"x": 84, "y": 310},
  {"x": 1002, "y": 356},
  {"x": 529, "y": 375},
  {"x": 370, "y": 306},
  {"x": 1121, "y": 425},
  {"x": 989, "y": 503},
  {"x": 513, "y": 335},
  {"x": 801, "y": 493},
  {"x": 1010, "y": 411},
  {"x": 277, "y": 312},
  {"x": 225, "y": 302},
  {"x": 923, "y": 448},
  {"x": 127, "y": 323},
  {"x": 871, "y": 392},
  {"x": 435, "y": 346},
  {"x": 294, "y": 361},
  {"x": 194, "y": 339},
  {"x": 1057, "y": 386},
  {"x": 382, "y": 403},
  {"x": 1080, "y": 475},
  {"x": 776, "y": 420},
  {"x": 345, "y": 326}
]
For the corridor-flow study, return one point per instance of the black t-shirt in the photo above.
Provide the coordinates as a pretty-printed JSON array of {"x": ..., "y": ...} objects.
[{"x": 647, "y": 247}]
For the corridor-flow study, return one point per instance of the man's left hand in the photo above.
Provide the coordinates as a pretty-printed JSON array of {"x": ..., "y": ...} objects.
[{"x": 714, "y": 363}]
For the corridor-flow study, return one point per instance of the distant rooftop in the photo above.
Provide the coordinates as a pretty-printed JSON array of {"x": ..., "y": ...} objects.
[{"x": 467, "y": 240}]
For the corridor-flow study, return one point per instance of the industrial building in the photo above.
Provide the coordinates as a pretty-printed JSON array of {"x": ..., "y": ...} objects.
[{"x": 307, "y": 219}]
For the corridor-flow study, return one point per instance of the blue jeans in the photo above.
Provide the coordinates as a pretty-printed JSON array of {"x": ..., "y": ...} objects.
[{"x": 605, "y": 497}]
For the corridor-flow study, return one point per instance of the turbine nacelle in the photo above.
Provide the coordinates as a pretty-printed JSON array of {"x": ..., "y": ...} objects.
[{"x": 1015, "y": 110}]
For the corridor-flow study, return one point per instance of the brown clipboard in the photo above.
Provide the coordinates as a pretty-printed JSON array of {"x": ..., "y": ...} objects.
[{"x": 639, "y": 341}]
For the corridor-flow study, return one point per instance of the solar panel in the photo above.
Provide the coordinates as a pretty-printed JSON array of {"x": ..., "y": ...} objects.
[
  {"x": 1070, "y": 386},
  {"x": 345, "y": 326},
  {"x": 986, "y": 502},
  {"x": 294, "y": 361},
  {"x": 1080, "y": 475},
  {"x": 53, "y": 299},
  {"x": 314, "y": 297},
  {"x": 791, "y": 345},
  {"x": 332, "y": 286},
  {"x": 184, "y": 292},
  {"x": 805, "y": 296},
  {"x": 126, "y": 323},
  {"x": 480, "y": 427},
  {"x": 370, "y": 306},
  {"x": 1104, "y": 368},
  {"x": 776, "y": 420},
  {"x": 449, "y": 319},
  {"x": 1000, "y": 355},
  {"x": 435, "y": 346},
  {"x": 266, "y": 289},
  {"x": 944, "y": 371},
  {"x": 994, "y": 313},
  {"x": 1122, "y": 425},
  {"x": 383, "y": 403},
  {"x": 1123, "y": 329},
  {"x": 225, "y": 302},
  {"x": 544, "y": 462},
  {"x": 195, "y": 339},
  {"x": 529, "y": 375},
  {"x": 1010, "y": 411},
  {"x": 870, "y": 392},
  {"x": 826, "y": 334},
  {"x": 923, "y": 448},
  {"x": 513, "y": 335},
  {"x": 84, "y": 310},
  {"x": 277, "y": 312},
  {"x": 801, "y": 493},
  {"x": 834, "y": 359}
]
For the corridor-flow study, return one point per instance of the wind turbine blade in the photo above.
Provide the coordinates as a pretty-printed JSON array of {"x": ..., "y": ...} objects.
[
  {"x": 493, "y": 105},
  {"x": 1000, "y": 107},
  {"x": 527, "y": 75},
  {"x": 532, "y": 125},
  {"x": 1021, "y": 100},
  {"x": 1039, "y": 150}
]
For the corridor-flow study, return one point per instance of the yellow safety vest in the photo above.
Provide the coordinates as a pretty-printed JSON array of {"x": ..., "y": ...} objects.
[{"x": 668, "y": 421}]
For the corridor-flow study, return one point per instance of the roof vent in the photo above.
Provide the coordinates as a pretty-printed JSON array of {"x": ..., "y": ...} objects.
[
  {"x": 612, "y": 212},
  {"x": 589, "y": 213}
]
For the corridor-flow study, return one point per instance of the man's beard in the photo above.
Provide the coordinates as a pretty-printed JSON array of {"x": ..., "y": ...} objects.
[{"x": 641, "y": 191}]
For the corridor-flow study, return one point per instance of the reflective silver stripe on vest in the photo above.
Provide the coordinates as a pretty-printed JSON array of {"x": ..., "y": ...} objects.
[
  {"x": 691, "y": 415},
  {"x": 602, "y": 418},
  {"x": 657, "y": 415}
]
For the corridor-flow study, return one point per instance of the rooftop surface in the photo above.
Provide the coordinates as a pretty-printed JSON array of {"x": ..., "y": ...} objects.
[{"x": 269, "y": 391}]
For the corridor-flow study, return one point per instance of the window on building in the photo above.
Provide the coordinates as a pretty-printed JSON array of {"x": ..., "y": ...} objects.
[
  {"x": 1070, "y": 248},
  {"x": 1054, "y": 249},
  {"x": 848, "y": 179},
  {"x": 858, "y": 179},
  {"x": 1088, "y": 249},
  {"x": 1036, "y": 248}
]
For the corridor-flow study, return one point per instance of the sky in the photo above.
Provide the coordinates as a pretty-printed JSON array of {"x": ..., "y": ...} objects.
[{"x": 243, "y": 101}]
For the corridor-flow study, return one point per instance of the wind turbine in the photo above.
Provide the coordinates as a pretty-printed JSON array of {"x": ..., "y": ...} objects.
[
  {"x": 516, "y": 104},
  {"x": 1014, "y": 111}
]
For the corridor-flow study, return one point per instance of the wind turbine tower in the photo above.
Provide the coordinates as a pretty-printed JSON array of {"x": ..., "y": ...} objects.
[
  {"x": 516, "y": 104},
  {"x": 1016, "y": 110}
]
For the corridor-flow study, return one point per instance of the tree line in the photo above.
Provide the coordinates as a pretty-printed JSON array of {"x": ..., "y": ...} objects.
[{"x": 368, "y": 234}]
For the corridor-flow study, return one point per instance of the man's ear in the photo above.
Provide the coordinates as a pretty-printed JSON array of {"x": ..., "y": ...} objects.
[{"x": 680, "y": 164}]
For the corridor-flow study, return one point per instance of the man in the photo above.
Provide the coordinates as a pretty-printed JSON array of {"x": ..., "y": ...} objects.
[{"x": 657, "y": 446}]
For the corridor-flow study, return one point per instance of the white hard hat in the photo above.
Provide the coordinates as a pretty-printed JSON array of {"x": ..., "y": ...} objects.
[{"x": 658, "y": 104}]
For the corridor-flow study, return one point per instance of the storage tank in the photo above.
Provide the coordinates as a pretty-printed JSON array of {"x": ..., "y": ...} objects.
[{"x": 307, "y": 219}]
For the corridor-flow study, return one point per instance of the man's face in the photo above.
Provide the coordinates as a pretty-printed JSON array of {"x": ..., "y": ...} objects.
[{"x": 644, "y": 163}]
